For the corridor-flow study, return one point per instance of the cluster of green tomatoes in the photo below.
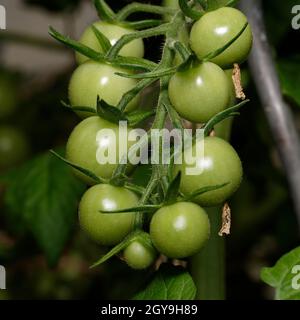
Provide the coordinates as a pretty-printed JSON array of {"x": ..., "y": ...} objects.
[{"x": 180, "y": 229}]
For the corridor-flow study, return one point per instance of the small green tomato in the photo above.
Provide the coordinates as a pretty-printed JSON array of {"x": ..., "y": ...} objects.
[
  {"x": 107, "y": 229},
  {"x": 200, "y": 92},
  {"x": 220, "y": 164},
  {"x": 216, "y": 28},
  {"x": 113, "y": 32},
  {"x": 140, "y": 255},
  {"x": 179, "y": 230},
  {"x": 92, "y": 79}
]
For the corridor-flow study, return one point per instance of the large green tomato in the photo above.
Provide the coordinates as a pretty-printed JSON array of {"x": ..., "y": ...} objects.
[
  {"x": 88, "y": 144},
  {"x": 110, "y": 228},
  {"x": 8, "y": 96},
  {"x": 215, "y": 29},
  {"x": 200, "y": 92},
  {"x": 139, "y": 255},
  {"x": 113, "y": 32},
  {"x": 14, "y": 147},
  {"x": 92, "y": 79},
  {"x": 179, "y": 230},
  {"x": 220, "y": 164}
]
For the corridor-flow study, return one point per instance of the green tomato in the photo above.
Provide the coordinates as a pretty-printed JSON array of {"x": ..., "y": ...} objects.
[
  {"x": 92, "y": 79},
  {"x": 200, "y": 92},
  {"x": 8, "y": 96},
  {"x": 215, "y": 29},
  {"x": 14, "y": 147},
  {"x": 107, "y": 229},
  {"x": 220, "y": 164},
  {"x": 113, "y": 32},
  {"x": 86, "y": 146},
  {"x": 179, "y": 230},
  {"x": 139, "y": 255}
]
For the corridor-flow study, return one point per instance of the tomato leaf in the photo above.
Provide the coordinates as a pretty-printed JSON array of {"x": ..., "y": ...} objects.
[
  {"x": 173, "y": 190},
  {"x": 116, "y": 249},
  {"x": 104, "y": 10},
  {"x": 102, "y": 39},
  {"x": 229, "y": 112},
  {"x": 189, "y": 11},
  {"x": 169, "y": 283},
  {"x": 138, "y": 116},
  {"x": 143, "y": 24},
  {"x": 110, "y": 113},
  {"x": 44, "y": 195},
  {"x": 148, "y": 207},
  {"x": 152, "y": 74},
  {"x": 290, "y": 77},
  {"x": 200, "y": 191},
  {"x": 285, "y": 276},
  {"x": 82, "y": 109}
]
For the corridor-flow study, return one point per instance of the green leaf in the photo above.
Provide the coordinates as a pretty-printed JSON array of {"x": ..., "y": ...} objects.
[
  {"x": 45, "y": 195},
  {"x": 203, "y": 190},
  {"x": 169, "y": 283},
  {"x": 118, "y": 248},
  {"x": 138, "y": 116},
  {"x": 153, "y": 74},
  {"x": 217, "y": 52},
  {"x": 189, "y": 11},
  {"x": 84, "y": 171},
  {"x": 81, "y": 109},
  {"x": 103, "y": 40},
  {"x": 148, "y": 207},
  {"x": 285, "y": 276},
  {"x": 110, "y": 113},
  {"x": 104, "y": 10},
  {"x": 289, "y": 74},
  {"x": 229, "y": 112},
  {"x": 173, "y": 189},
  {"x": 143, "y": 24},
  {"x": 131, "y": 63},
  {"x": 77, "y": 46}
]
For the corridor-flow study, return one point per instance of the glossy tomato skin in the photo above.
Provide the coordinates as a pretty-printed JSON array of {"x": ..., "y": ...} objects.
[
  {"x": 220, "y": 164},
  {"x": 113, "y": 32},
  {"x": 107, "y": 229},
  {"x": 86, "y": 144},
  {"x": 92, "y": 79},
  {"x": 200, "y": 92},
  {"x": 14, "y": 147},
  {"x": 215, "y": 29},
  {"x": 139, "y": 256},
  {"x": 179, "y": 230}
]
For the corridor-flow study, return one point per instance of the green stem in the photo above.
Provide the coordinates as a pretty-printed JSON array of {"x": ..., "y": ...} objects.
[
  {"x": 140, "y": 7},
  {"x": 208, "y": 266}
]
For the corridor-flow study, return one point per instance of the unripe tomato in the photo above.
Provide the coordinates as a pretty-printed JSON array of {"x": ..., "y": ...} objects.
[
  {"x": 110, "y": 228},
  {"x": 200, "y": 92},
  {"x": 113, "y": 32},
  {"x": 140, "y": 256},
  {"x": 86, "y": 144},
  {"x": 220, "y": 164},
  {"x": 215, "y": 29},
  {"x": 8, "y": 96},
  {"x": 14, "y": 147},
  {"x": 92, "y": 79},
  {"x": 179, "y": 230}
]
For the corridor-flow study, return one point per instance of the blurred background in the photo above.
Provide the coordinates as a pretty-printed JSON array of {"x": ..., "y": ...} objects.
[{"x": 45, "y": 254}]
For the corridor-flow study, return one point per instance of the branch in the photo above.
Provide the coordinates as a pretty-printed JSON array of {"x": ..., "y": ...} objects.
[{"x": 277, "y": 112}]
